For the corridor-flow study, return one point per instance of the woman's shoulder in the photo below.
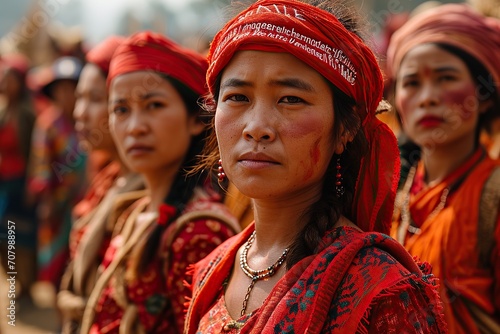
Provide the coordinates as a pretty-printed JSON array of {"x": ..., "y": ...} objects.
[
  {"x": 382, "y": 276},
  {"x": 205, "y": 220},
  {"x": 376, "y": 257}
]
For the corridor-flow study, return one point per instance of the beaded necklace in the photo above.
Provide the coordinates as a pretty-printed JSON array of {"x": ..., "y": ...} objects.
[
  {"x": 257, "y": 275},
  {"x": 405, "y": 208}
]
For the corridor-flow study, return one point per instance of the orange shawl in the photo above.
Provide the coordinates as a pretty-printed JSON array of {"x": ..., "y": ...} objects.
[{"x": 449, "y": 240}]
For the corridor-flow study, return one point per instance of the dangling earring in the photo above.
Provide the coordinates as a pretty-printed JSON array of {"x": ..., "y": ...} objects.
[
  {"x": 339, "y": 188},
  {"x": 221, "y": 175}
]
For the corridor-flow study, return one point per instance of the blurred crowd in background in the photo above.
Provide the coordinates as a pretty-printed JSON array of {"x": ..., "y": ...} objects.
[{"x": 45, "y": 171}]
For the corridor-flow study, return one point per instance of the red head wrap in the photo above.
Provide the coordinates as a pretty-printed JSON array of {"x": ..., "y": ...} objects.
[
  {"x": 154, "y": 52},
  {"x": 16, "y": 62},
  {"x": 318, "y": 39},
  {"x": 101, "y": 54},
  {"x": 457, "y": 25}
]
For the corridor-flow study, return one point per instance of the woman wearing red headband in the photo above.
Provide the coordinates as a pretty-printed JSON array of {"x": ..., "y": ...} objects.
[
  {"x": 295, "y": 93},
  {"x": 91, "y": 231},
  {"x": 447, "y": 87},
  {"x": 154, "y": 85}
]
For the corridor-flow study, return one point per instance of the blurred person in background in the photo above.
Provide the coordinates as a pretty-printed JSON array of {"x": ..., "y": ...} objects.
[
  {"x": 444, "y": 63},
  {"x": 91, "y": 230},
  {"x": 17, "y": 119},
  {"x": 154, "y": 86},
  {"x": 56, "y": 174},
  {"x": 491, "y": 136}
]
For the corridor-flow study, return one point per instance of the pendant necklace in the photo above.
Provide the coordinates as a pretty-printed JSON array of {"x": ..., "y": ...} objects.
[{"x": 257, "y": 275}]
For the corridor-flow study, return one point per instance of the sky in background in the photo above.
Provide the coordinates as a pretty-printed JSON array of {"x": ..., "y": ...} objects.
[{"x": 97, "y": 18}]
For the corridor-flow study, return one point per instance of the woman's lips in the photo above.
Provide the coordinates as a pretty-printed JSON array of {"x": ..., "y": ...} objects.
[
  {"x": 431, "y": 121},
  {"x": 138, "y": 150}
]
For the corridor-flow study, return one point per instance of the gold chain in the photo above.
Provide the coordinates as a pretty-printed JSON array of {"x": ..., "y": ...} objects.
[
  {"x": 257, "y": 275},
  {"x": 405, "y": 207}
]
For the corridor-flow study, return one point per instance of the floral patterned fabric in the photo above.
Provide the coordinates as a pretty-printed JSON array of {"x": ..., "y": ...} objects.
[
  {"x": 160, "y": 296},
  {"x": 356, "y": 283}
]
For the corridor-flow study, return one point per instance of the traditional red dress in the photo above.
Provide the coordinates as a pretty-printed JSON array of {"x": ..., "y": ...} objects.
[
  {"x": 157, "y": 296},
  {"x": 355, "y": 283}
]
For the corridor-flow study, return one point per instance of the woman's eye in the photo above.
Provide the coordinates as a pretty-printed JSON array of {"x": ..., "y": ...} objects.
[
  {"x": 291, "y": 99},
  {"x": 237, "y": 98},
  {"x": 155, "y": 105},
  {"x": 447, "y": 78},
  {"x": 410, "y": 83},
  {"x": 119, "y": 110}
]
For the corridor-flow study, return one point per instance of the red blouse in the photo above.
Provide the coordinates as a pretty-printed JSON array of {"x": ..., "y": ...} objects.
[
  {"x": 160, "y": 296},
  {"x": 12, "y": 162}
]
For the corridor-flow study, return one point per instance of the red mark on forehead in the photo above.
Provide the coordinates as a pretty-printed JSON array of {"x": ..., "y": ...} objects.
[{"x": 426, "y": 71}]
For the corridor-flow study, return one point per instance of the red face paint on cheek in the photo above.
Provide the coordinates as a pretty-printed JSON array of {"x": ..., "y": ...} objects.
[
  {"x": 463, "y": 99},
  {"x": 304, "y": 127},
  {"x": 315, "y": 154}
]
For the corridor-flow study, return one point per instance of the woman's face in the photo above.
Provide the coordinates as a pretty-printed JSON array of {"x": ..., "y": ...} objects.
[
  {"x": 436, "y": 98},
  {"x": 274, "y": 122},
  {"x": 149, "y": 121},
  {"x": 91, "y": 110},
  {"x": 10, "y": 84}
]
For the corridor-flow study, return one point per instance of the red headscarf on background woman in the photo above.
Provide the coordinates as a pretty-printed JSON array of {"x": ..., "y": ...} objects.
[
  {"x": 321, "y": 41},
  {"x": 151, "y": 51},
  {"x": 457, "y": 25},
  {"x": 102, "y": 53}
]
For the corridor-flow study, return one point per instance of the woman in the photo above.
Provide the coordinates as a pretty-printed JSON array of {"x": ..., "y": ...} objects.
[
  {"x": 154, "y": 85},
  {"x": 447, "y": 88},
  {"x": 91, "y": 230},
  {"x": 56, "y": 173},
  {"x": 295, "y": 94},
  {"x": 16, "y": 124}
]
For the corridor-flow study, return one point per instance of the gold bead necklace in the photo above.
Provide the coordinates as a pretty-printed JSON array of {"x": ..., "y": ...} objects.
[{"x": 257, "y": 275}]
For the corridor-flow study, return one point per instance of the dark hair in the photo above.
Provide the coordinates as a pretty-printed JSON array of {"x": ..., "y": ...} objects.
[
  {"x": 485, "y": 91},
  {"x": 327, "y": 210},
  {"x": 182, "y": 188}
]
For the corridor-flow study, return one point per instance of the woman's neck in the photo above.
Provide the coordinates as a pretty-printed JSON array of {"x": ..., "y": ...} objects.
[
  {"x": 277, "y": 223},
  {"x": 439, "y": 162},
  {"x": 158, "y": 184}
]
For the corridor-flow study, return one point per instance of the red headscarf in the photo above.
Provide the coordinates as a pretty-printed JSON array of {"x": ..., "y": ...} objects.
[
  {"x": 318, "y": 39},
  {"x": 101, "y": 54},
  {"x": 16, "y": 62},
  {"x": 457, "y": 25},
  {"x": 155, "y": 52}
]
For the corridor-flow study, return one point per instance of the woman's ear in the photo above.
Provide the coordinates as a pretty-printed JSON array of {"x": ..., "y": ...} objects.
[
  {"x": 344, "y": 139},
  {"x": 485, "y": 105},
  {"x": 196, "y": 126}
]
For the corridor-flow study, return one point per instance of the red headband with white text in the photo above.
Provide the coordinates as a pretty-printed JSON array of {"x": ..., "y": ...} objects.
[{"x": 317, "y": 38}]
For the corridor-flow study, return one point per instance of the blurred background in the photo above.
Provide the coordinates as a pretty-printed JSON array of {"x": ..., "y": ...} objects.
[{"x": 43, "y": 30}]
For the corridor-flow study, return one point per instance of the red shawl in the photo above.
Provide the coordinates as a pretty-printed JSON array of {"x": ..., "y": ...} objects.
[{"x": 333, "y": 290}]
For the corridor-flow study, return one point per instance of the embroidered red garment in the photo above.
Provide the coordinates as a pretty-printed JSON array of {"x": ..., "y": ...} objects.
[
  {"x": 318, "y": 39},
  {"x": 159, "y": 295},
  {"x": 151, "y": 51},
  {"x": 357, "y": 282}
]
